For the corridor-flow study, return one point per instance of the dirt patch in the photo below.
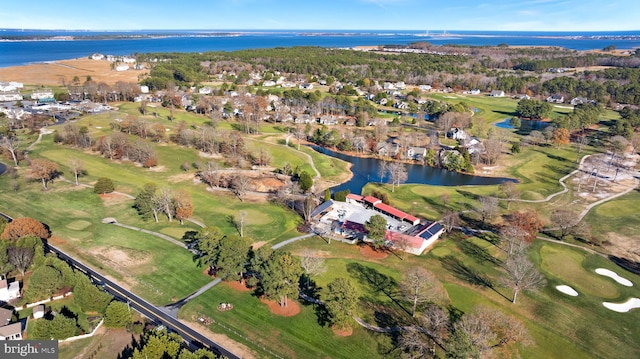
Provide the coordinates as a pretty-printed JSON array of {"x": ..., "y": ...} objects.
[
  {"x": 292, "y": 308},
  {"x": 104, "y": 344},
  {"x": 342, "y": 332},
  {"x": 62, "y": 72},
  {"x": 55, "y": 240},
  {"x": 369, "y": 252},
  {"x": 239, "y": 286},
  {"x": 181, "y": 177},
  {"x": 240, "y": 350},
  {"x": 111, "y": 199},
  {"x": 623, "y": 246},
  {"x": 121, "y": 257},
  {"x": 257, "y": 245}
]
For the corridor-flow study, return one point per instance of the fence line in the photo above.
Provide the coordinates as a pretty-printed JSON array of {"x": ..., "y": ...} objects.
[{"x": 77, "y": 337}]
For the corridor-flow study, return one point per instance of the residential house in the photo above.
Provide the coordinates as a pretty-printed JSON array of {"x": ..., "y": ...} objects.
[
  {"x": 11, "y": 86},
  {"x": 269, "y": 83},
  {"x": 416, "y": 153},
  {"x": 205, "y": 90},
  {"x": 388, "y": 86},
  {"x": 387, "y": 149},
  {"x": 122, "y": 67},
  {"x": 303, "y": 118},
  {"x": 555, "y": 98},
  {"x": 306, "y": 86},
  {"x": 42, "y": 95},
  {"x": 144, "y": 89},
  {"x": 329, "y": 120},
  {"x": 8, "y": 330},
  {"x": 497, "y": 93},
  {"x": 400, "y": 85},
  {"x": 424, "y": 87},
  {"x": 579, "y": 101},
  {"x": 350, "y": 121},
  {"x": 457, "y": 134},
  {"x": 97, "y": 56},
  {"x": 10, "y": 96},
  {"x": 9, "y": 291},
  {"x": 383, "y": 101},
  {"x": 473, "y": 145}
]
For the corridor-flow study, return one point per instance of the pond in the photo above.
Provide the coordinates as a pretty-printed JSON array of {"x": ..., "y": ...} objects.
[
  {"x": 2, "y": 168},
  {"x": 366, "y": 170},
  {"x": 526, "y": 126}
]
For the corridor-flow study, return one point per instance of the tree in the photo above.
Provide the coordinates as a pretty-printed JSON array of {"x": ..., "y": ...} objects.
[
  {"x": 280, "y": 275},
  {"x": 241, "y": 220},
  {"x": 145, "y": 203},
  {"x": 103, "y": 185},
  {"x": 397, "y": 174},
  {"x": 528, "y": 221},
  {"x": 487, "y": 209},
  {"x": 207, "y": 244},
  {"x": 117, "y": 315},
  {"x": 560, "y": 136},
  {"x": 509, "y": 191},
  {"x": 233, "y": 254},
  {"x": 450, "y": 220},
  {"x": 25, "y": 226},
  {"x": 521, "y": 274},
  {"x": 308, "y": 204},
  {"x": 21, "y": 258},
  {"x": 342, "y": 301},
  {"x": 564, "y": 220},
  {"x": 482, "y": 331},
  {"x": 62, "y": 327},
  {"x": 305, "y": 181},
  {"x": 240, "y": 185},
  {"x": 5, "y": 264},
  {"x": 183, "y": 205},
  {"x": 44, "y": 282},
  {"x": 77, "y": 167},
  {"x": 420, "y": 285},
  {"x": 164, "y": 200},
  {"x": 43, "y": 170},
  {"x": 312, "y": 263},
  {"x": 89, "y": 296},
  {"x": 376, "y": 227},
  {"x": 11, "y": 144}
]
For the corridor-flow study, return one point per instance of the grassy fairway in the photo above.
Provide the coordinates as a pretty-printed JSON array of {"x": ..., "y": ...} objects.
[{"x": 299, "y": 336}]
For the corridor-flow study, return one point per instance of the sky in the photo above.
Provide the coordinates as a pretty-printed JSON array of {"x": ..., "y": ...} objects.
[{"x": 432, "y": 15}]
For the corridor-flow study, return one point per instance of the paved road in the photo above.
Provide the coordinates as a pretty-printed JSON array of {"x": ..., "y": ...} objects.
[
  {"x": 195, "y": 339},
  {"x": 147, "y": 309}
]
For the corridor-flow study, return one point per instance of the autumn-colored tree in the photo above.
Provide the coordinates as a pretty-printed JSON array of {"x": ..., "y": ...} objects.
[
  {"x": 22, "y": 227},
  {"x": 43, "y": 170},
  {"x": 560, "y": 136},
  {"x": 183, "y": 205},
  {"x": 528, "y": 221}
]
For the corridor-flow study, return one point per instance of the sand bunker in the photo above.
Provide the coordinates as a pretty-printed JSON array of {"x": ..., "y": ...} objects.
[
  {"x": 623, "y": 307},
  {"x": 614, "y": 276},
  {"x": 567, "y": 290}
]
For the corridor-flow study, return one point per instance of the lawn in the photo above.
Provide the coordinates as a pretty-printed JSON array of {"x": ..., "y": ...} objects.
[
  {"x": 299, "y": 336},
  {"x": 560, "y": 326}
]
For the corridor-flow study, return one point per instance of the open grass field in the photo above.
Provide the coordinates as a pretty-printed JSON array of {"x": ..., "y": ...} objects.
[
  {"x": 560, "y": 326},
  {"x": 62, "y": 72}
]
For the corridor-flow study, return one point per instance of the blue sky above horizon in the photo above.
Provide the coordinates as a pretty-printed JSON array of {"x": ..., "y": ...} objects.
[{"x": 523, "y": 15}]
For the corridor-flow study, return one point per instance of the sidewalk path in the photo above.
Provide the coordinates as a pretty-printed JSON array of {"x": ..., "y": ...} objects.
[
  {"x": 160, "y": 235},
  {"x": 291, "y": 240}
]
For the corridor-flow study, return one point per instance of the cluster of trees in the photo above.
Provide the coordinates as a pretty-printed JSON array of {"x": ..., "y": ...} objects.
[
  {"x": 22, "y": 250},
  {"x": 275, "y": 274},
  {"x": 533, "y": 109},
  {"x": 119, "y": 146},
  {"x": 153, "y": 201},
  {"x": 159, "y": 343},
  {"x": 99, "y": 91}
]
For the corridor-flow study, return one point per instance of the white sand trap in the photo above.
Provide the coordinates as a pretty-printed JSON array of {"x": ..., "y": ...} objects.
[
  {"x": 623, "y": 307},
  {"x": 614, "y": 276},
  {"x": 567, "y": 290}
]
